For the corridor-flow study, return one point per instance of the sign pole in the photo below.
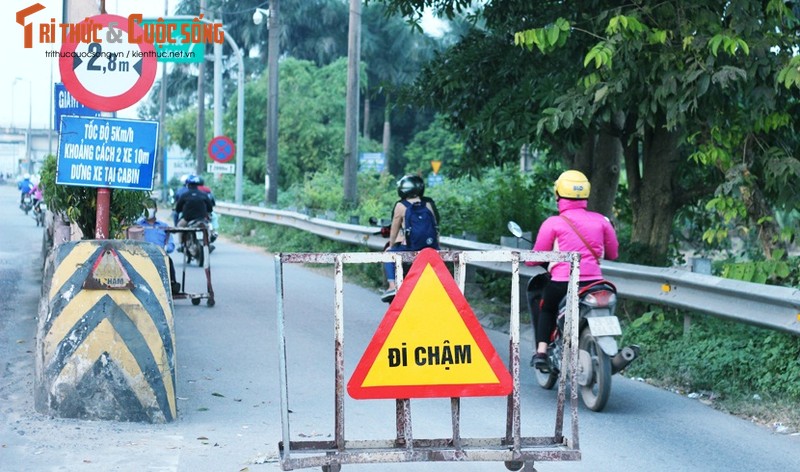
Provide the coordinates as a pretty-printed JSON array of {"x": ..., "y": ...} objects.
[{"x": 103, "y": 212}]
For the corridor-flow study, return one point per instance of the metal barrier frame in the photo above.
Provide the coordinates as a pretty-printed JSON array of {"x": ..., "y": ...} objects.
[{"x": 516, "y": 451}]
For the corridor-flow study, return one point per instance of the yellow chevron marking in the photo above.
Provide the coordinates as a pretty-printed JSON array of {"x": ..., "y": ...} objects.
[
  {"x": 73, "y": 261},
  {"x": 147, "y": 270},
  {"x": 77, "y": 308},
  {"x": 105, "y": 338}
]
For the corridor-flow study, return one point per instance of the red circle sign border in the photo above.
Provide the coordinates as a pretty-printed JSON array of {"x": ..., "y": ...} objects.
[
  {"x": 226, "y": 140},
  {"x": 100, "y": 102}
]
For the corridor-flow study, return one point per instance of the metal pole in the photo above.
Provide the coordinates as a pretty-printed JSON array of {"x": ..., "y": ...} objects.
[
  {"x": 200, "y": 137},
  {"x": 272, "y": 102},
  {"x": 239, "y": 130},
  {"x": 162, "y": 141},
  {"x": 28, "y": 138},
  {"x": 218, "y": 89},
  {"x": 52, "y": 109},
  {"x": 351, "y": 117}
]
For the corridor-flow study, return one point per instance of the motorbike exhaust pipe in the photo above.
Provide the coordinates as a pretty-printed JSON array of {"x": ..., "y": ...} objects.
[{"x": 625, "y": 356}]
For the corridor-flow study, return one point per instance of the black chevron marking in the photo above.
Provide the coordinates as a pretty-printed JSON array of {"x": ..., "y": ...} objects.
[
  {"x": 145, "y": 297},
  {"x": 106, "y": 308},
  {"x": 105, "y": 393},
  {"x": 152, "y": 305},
  {"x": 72, "y": 284}
]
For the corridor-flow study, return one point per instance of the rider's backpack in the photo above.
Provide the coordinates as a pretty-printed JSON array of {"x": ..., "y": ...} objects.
[{"x": 420, "y": 226}]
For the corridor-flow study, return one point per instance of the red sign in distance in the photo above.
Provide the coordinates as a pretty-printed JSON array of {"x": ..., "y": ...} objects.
[
  {"x": 112, "y": 74},
  {"x": 221, "y": 149}
]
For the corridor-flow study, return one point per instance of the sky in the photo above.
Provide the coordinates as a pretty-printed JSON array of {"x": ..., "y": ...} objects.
[{"x": 29, "y": 69}]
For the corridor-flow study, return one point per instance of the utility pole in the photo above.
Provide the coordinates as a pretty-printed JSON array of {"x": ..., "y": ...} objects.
[
  {"x": 273, "y": 52},
  {"x": 200, "y": 143},
  {"x": 351, "y": 117},
  {"x": 162, "y": 141}
]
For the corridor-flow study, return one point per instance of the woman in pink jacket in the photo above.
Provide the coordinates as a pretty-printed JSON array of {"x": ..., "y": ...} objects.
[{"x": 574, "y": 229}]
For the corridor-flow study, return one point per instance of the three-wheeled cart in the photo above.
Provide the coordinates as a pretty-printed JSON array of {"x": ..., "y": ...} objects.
[{"x": 203, "y": 244}]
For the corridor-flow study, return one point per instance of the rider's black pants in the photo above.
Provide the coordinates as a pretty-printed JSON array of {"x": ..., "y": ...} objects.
[{"x": 551, "y": 298}]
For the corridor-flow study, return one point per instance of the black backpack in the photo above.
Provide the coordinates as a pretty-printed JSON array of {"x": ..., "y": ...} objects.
[{"x": 420, "y": 226}]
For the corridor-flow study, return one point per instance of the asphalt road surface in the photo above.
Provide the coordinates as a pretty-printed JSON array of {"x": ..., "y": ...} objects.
[{"x": 229, "y": 404}]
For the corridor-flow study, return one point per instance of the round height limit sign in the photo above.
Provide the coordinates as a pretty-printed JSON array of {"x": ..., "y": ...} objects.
[{"x": 112, "y": 72}]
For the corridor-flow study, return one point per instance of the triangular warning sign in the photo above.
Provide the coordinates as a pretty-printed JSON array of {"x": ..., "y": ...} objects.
[
  {"x": 429, "y": 344},
  {"x": 108, "y": 273}
]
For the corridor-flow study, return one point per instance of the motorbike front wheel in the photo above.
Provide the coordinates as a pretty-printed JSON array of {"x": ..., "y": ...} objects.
[{"x": 594, "y": 372}]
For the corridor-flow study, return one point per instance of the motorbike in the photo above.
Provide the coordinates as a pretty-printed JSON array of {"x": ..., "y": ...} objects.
[
  {"x": 27, "y": 203},
  {"x": 191, "y": 245},
  {"x": 599, "y": 356},
  {"x": 39, "y": 209}
]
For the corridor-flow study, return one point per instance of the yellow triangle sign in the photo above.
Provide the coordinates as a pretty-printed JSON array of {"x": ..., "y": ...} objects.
[
  {"x": 429, "y": 344},
  {"x": 108, "y": 272}
]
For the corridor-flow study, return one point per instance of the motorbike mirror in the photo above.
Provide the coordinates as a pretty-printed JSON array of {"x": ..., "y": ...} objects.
[
  {"x": 373, "y": 221},
  {"x": 515, "y": 229}
]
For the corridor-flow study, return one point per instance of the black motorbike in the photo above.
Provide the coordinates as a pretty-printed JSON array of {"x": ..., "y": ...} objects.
[
  {"x": 39, "y": 209},
  {"x": 192, "y": 246},
  {"x": 599, "y": 356},
  {"x": 27, "y": 203}
]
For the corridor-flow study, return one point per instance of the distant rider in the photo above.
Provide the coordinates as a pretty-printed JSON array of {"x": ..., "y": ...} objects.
[
  {"x": 25, "y": 185},
  {"x": 194, "y": 204}
]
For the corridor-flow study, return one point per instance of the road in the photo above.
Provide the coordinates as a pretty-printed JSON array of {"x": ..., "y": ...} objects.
[{"x": 228, "y": 399}]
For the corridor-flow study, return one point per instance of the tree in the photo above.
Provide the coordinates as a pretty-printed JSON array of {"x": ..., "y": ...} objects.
[{"x": 607, "y": 81}]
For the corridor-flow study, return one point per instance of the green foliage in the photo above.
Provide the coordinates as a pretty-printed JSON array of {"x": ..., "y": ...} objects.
[
  {"x": 79, "y": 204},
  {"x": 546, "y": 39},
  {"x": 728, "y": 358},
  {"x": 181, "y": 130},
  {"x": 435, "y": 143},
  {"x": 481, "y": 207}
]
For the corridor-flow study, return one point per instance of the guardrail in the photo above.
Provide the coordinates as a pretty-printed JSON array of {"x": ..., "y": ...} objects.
[{"x": 762, "y": 305}]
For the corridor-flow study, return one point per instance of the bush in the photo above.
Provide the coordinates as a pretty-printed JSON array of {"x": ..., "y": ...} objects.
[
  {"x": 80, "y": 203},
  {"x": 731, "y": 359}
]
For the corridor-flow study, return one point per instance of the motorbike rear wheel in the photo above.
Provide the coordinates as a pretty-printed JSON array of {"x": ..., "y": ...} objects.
[{"x": 597, "y": 388}]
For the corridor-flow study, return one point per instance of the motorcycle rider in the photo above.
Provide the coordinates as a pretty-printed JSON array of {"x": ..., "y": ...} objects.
[
  {"x": 36, "y": 194},
  {"x": 410, "y": 189},
  {"x": 213, "y": 217},
  {"x": 25, "y": 185},
  {"x": 574, "y": 229},
  {"x": 194, "y": 204}
]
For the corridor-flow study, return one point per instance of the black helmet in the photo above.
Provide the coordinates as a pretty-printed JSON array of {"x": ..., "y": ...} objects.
[
  {"x": 411, "y": 186},
  {"x": 192, "y": 180}
]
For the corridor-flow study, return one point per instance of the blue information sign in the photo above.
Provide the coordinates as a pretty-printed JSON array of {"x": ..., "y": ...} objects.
[
  {"x": 66, "y": 104},
  {"x": 107, "y": 152},
  {"x": 371, "y": 161}
]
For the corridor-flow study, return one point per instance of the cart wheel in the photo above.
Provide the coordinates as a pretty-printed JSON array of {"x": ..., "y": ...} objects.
[
  {"x": 210, "y": 302},
  {"x": 195, "y": 301}
]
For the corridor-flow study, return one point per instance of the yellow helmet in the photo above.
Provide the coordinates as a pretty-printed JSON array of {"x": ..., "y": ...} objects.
[{"x": 572, "y": 184}]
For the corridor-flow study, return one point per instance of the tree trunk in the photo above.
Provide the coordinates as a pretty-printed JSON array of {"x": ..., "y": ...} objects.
[
  {"x": 365, "y": 131},
  {"x": 599, "y": 160},
  {"x": 653, "y": 193},
  {"x": 387, "y": 134}
]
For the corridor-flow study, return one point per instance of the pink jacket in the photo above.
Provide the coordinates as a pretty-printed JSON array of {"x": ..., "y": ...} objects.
[{"x": 556, "y": 234}]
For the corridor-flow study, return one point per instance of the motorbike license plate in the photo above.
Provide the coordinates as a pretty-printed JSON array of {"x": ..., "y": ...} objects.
[{"x": 604, "y": 326}]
